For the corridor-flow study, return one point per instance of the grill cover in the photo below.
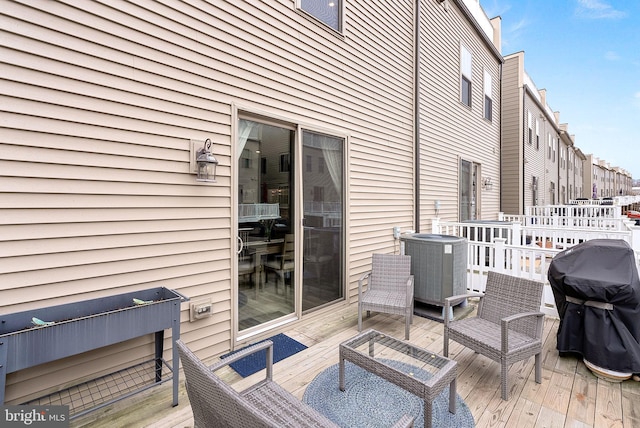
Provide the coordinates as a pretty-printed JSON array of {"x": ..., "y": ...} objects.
[{"x": 597, "y": 292}]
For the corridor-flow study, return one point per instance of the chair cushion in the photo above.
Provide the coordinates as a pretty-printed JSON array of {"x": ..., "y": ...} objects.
[
  {"x": 282, "y": 408},
  {"x": 488, "y": 334},
  {"x": 376, "y": 299}
]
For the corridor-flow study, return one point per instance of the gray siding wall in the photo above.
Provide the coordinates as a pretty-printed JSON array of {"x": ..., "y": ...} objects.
[
  {"x": 99, "y": 102},
  {"x": 512, "y": 135},
  {"x": 534, "y": 154}
]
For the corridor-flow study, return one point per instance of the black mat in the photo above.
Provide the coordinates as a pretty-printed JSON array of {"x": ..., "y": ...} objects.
[{"x": 283, "y": 347}]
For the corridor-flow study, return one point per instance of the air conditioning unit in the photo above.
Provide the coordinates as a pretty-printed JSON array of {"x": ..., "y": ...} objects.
[{"x": 439, "y": 266}]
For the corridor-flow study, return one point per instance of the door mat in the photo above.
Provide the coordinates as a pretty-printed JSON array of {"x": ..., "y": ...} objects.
[
  {"x": 434, "y": 312},
  {"x": 283, "y": 347}
]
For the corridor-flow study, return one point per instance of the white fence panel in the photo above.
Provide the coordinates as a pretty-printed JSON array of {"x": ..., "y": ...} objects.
[{"x": 525, "y": 251}]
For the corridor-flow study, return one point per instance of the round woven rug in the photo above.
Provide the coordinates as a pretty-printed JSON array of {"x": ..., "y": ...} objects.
[{"x": 370, "y": 401}]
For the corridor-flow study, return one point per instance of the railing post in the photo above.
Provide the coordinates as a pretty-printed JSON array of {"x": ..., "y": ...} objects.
[
  {"x": 500, "y": 254},
  {"x": 516, "y": 235},
  {"x": 635, "y": 238},
  {"x": 435, "y": 225}
]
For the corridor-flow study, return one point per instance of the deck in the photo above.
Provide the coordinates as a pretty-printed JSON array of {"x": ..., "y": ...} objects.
[{"x": 569, "y": 396}]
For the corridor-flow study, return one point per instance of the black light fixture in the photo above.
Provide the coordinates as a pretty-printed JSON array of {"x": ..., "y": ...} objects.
[{"x": 206, "y": 163}]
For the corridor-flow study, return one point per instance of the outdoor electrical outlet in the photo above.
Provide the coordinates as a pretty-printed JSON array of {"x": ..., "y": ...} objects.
[
  {"x": 201, "y": 309},
  {"x": 396, "y": 232}
]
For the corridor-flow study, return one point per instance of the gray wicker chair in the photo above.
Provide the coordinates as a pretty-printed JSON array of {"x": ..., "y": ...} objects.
[
  {"x": 508, "y": 326},
  {"x": 389, "y": 288},
  {"x": 264, "y": 404}
]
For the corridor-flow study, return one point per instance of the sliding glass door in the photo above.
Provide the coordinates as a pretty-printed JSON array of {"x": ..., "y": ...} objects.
[
  {"x": 285, "y": 266},
  {"x": 266, "y": 219},
  {"x": 323, "y": 195}
]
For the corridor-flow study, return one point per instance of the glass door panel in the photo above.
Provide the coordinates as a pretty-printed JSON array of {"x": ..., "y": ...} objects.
[
  {"x": 266, "y": 267},
  {"x": 468, "y": 195},
  {"x": 323, "y": 195}
]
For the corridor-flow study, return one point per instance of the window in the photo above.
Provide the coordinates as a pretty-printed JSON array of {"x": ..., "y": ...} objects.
[
  {"x": 285, "y": 162},
  {"x": 327, "y": 11},
  {"x": 321, "y": 165},
  {"x": 549, "y": 143},
  {"x": 309, "y": 166},
  {"x": 487, "y": 96},
  {"x": 465, "y": 73},
  {"x": 537, "y": 135},
  {"x": 246, "y": 159},
  {"x": 530, "y": 124}
]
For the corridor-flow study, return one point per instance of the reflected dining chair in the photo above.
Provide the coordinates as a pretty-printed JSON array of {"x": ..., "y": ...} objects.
[{"x": 284, "y": 263}]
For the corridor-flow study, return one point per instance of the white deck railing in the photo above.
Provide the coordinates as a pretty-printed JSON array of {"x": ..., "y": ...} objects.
[{"x": 526, "y": 251}]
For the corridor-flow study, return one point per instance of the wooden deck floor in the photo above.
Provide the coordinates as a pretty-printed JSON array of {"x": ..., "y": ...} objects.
[{"x": 569, "y": 396}]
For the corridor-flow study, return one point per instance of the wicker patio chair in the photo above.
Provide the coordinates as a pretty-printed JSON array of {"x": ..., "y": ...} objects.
[
  {"x": 389, "y": 288},
  {"x": 264, "y": 404},
  {"x": 508, "y": 325}
]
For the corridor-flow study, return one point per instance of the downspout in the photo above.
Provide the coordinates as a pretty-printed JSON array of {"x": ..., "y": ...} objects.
[
  {"x": 416, "y": 115},
  {"x": 500, "y": 138},
  {"x": 524, "y": 146}
]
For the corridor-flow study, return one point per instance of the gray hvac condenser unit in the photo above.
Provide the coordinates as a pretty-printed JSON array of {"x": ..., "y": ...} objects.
[{"x": 438, "y": 264}]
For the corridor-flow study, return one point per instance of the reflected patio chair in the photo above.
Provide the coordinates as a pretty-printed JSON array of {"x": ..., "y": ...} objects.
[
  {"x": 508, "y": 326},
  {"x": 389, "y": 288},
  {"x": 283, "y": 264}
]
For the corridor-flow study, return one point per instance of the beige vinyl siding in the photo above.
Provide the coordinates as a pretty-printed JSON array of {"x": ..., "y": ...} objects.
[
  {"x": 512, "y": 136},
  {"x": 551, "y": 162},
  {"x": 99, "y": 102},
  {"x": 379, "y": 37},
  {"x": 449, "y": 130},
  {"x": 535, "y": 159}
]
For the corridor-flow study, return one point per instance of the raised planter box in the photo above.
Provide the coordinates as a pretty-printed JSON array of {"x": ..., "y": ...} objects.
[{"x": 86, "y": 325}]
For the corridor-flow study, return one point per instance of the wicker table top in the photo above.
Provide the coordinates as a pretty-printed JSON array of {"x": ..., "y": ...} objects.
[{"x": 371, "y": 348}]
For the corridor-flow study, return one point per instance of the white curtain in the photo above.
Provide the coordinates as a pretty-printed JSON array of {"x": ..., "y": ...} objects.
[
  {"x": 244, "y": 131},
  {"x": 331, "y": 151}
]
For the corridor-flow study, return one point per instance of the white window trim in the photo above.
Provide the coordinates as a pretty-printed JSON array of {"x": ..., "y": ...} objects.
[
  {"x": 466, "y": 71},
  {"x": 488, "y": 83}
]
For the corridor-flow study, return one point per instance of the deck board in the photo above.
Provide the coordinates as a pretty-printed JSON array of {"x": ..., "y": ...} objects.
[{"x": 569, "y": 396}]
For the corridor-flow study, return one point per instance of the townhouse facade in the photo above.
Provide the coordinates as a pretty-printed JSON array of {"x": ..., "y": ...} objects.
[
  {"x": 529, "y": 171},
  {"x": 541, "y": 162},
  {"x": 459, "y": 66},
  {"x": 604, "y": 180},
  {"x": 329, "y": 124}
]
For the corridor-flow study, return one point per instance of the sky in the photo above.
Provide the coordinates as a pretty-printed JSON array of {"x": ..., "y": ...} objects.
[{"x": 586, "y": 54}]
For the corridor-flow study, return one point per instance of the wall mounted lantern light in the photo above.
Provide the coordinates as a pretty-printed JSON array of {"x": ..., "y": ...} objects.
[
  {"x": 487, "y": 184},
  {"x": 205, "y": 162}
]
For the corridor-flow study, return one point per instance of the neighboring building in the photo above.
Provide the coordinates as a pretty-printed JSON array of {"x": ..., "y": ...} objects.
[
  {"x": 593, "y": 178},
  {"x": 576, "y": 172},
  {"x": 528, "y": 132},
  {"x": 623, "y": 182},
  {"x": 316, "y": 115},
  {"x": 601, "y": 180},
  {"x": 541, "y": 164},
  {"x": 459, "y": 112}
]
